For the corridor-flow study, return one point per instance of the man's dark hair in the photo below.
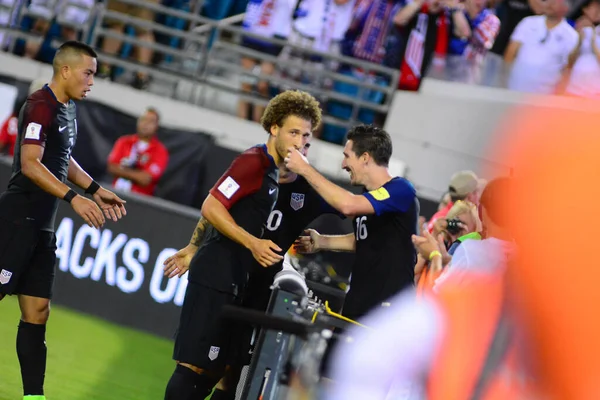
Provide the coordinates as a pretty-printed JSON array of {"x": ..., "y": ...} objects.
[
  {"x": 68, "y": 49},
  {"x": 496, "y": 199},
  {"x": 371, "y": 140},
  {"x": 291, "y": 102}
]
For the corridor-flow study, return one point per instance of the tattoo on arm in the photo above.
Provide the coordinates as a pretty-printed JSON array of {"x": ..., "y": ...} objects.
[{"x": 199, "y": 232}]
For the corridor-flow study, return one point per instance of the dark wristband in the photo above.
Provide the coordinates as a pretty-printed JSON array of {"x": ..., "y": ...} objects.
[
  {"x": 93, "y": 188},
  {"x": 70, "y": 195}
]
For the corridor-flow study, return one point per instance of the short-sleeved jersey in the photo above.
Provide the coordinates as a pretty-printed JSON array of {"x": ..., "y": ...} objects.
[
  {"x": 385, "y": 255},
  {"x": 131, "y": 152},
  {"x": 248, "y": 189},
  {"x": 43, "y": 121}
]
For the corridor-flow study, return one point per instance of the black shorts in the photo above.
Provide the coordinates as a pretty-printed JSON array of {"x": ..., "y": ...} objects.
[
  {"x": 27, "y": 259},
  {"x": 204, "y": 339},
  {"x": 263, "y": 47}
]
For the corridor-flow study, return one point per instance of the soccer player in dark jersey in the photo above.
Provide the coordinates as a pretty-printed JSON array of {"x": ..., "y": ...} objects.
[
  {"x": 42, "y": 164},
  {"x": 237, "y": 209},
  {"x": 297, "y": 205},
  {"x": 385, "y": 217}
]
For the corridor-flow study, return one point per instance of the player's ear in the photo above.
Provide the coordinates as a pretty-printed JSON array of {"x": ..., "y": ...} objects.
[
  {"x": 65, "y": 72},
  {"x": 274, "y": 130}
]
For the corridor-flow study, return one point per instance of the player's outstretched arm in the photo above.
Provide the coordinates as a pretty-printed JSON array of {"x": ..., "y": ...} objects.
[
  {"x": 35, "y": 171},
  {"x": 179, "y": 263},
  {"x": 339, "y": 198},
  {"x": 264, "y": 251},
  {"x": 312, "y": 241},
  {"x": 111, "y": 205}
]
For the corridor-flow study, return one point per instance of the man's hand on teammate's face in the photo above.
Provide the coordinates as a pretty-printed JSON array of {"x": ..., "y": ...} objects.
[
  {"x": 179, "y": 263},
  {"x": 295, "y": 161},
  {"x": 88, "y": 210},
  {"x": 112, "y": 206},
  {"x": 308, "y": 243},
  {"x": 264, "y": 251}
]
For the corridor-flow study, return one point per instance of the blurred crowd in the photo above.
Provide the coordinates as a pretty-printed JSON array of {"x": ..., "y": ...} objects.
[{"x": 539, "y": 46}]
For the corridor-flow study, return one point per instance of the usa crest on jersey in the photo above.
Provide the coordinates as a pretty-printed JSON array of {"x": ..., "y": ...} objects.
[
  {"x": 5, "y": 276},
  {"x": 297, "y": 201}
]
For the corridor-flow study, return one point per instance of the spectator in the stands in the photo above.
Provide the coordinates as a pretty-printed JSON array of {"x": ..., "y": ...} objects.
[
  {"x": 268, "y": 19},
  {"x": 138, "y": 161},
  {"x": 319, "y": 25},
  {"x": 9, "y": 129},
  {"x": 511, "y": 12},
  {"x": 54, "y": 22},
  {"x": 112, "y": 45},
  {"x": 584, "y": 77},
  {"x": 539, "y": 50},
  {"x": 424, "y": 28},
  {"x": 483, "y": 27},
  {"x": 364, "y": 40},
  {"x": 464, "y": 185}
]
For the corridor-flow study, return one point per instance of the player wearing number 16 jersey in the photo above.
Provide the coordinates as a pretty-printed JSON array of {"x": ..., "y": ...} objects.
[{"x": 385, "y": 218}]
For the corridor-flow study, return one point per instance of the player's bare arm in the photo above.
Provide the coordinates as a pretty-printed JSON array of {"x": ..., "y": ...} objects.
[
  {"x": 339, "y": 198},
  {"x": 312, "y": 242},
  {"x": 179, "y": 263},
  {"x": 140, "y": 178},
  {"x": 34, "y": 170},
  {"x": 264, "y": 251},
  {"x": 112, "y": 206}
]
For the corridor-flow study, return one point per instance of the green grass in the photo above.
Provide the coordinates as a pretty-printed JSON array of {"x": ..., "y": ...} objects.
[{"x": 88, "y": 358}]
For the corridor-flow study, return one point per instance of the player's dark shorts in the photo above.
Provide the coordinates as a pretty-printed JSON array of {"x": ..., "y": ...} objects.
[
  {"x": 263, "y": 47},
  {"x": 204, "y": 339},
  {"x": 27, "y": 259}
]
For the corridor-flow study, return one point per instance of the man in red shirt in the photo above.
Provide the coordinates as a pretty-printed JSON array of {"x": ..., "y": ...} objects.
[
  {"x": 8, "y": 135},
  {"x": 138, "y": 161},
  {"x": 464, "y": 185}
]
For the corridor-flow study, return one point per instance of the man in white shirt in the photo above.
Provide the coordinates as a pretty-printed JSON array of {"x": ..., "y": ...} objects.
[{"x": 539, "y": 49}]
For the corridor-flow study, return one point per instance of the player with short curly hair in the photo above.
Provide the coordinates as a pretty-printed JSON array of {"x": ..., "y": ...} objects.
[{"x": 227, "y": 243}]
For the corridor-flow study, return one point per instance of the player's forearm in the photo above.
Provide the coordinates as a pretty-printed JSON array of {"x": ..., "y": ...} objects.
[
  {"x": 338, "y": 242},
  {"x": 199, "y": 233},
  {"x": 339, "y": 198},
  {"x": 140, "y": 178},
  {"x": 78, "y": 176},
  {"x": 219, "y": 217},
  {"x": 37, "y": 172}
]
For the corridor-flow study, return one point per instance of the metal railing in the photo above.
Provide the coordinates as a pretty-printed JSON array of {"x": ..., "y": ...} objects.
[{"x": 200, "y": 62}]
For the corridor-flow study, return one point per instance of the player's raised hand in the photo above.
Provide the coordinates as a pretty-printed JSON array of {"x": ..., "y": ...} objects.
[
  {"x": 308, "y": 243},
  {"x": 264, "y": 251},
  {"x": 89, "y": 211},
  {"x": 179, "y": 263},
  {"x": 295, "y": 161},
  {"x": 111, "y": 204}
]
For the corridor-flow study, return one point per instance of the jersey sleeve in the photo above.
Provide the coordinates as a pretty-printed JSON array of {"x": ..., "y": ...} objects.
[
  {"x": 37, "y": 122},
  {"x": 244, "y": 177},
  {"x": 118, "y": 152},
  {"x": 398, "y": 195},
  {"x": 158, "y": 164},
  {"x": 521, "y": 31},
  {"x": 326, "y": 208}
]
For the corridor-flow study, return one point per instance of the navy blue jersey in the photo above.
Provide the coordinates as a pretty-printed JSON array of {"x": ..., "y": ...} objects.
[
  {"x": 43, "y": 121},
  {"x": 385, "y": 255},
  {"x": 248, "y": 189}
]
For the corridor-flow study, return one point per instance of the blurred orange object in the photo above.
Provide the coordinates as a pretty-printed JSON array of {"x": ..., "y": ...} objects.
[{"x": 555, "y": 154}]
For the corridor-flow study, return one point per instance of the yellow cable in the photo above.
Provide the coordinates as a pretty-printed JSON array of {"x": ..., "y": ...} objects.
[
  {"x": 314, "y": 317},
  {"x": 339, "y": 316}
]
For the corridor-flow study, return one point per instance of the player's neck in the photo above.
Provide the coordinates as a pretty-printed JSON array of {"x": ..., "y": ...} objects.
[
  {"x": 272, "y": 150},
  {"x": 377, "y": 177},
  {"x": 286, "y": 176},
  {"x": 59, "y": 93}
]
